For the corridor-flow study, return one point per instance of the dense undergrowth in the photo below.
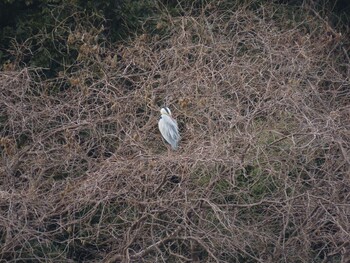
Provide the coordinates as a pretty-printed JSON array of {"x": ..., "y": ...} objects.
[{"x": 261, "y": 95}]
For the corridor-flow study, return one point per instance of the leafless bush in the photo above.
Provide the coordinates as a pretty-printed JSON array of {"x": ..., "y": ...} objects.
[{"x": 262, "y": 173}]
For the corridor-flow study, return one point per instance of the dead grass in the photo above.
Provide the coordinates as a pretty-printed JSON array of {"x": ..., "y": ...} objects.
[{"x": 262, "y": 173}]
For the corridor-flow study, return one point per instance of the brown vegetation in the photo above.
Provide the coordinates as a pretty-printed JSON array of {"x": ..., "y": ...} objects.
[{"x": 262, "y": 173}]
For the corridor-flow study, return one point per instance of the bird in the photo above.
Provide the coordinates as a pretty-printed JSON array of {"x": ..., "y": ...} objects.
[{"x": 168, "y": 128}]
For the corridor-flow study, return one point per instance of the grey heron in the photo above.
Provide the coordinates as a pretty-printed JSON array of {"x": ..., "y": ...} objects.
[{"x": 168, "y": 128}]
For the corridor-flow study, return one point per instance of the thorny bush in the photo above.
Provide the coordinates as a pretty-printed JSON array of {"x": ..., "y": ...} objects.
[{"x": 262, "y": 173}]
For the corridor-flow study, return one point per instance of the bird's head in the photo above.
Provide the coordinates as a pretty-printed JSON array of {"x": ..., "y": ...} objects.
[{"x": 165, "y": 111}]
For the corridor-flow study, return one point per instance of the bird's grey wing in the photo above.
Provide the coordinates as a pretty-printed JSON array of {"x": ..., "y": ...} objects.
[{"x": 169, "y": 130}]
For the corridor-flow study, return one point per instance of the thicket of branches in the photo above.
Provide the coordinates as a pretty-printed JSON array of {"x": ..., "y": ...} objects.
[{"x": 261, "y": 95}]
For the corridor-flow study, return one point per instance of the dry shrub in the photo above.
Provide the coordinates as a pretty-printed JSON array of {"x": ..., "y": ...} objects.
[{"x": 262, "y": 173}]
